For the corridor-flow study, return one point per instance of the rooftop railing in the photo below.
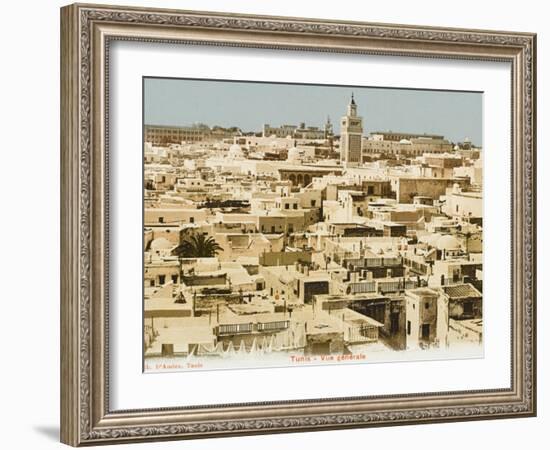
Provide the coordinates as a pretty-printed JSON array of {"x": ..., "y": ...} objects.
[{"x": 245, "y": 328}]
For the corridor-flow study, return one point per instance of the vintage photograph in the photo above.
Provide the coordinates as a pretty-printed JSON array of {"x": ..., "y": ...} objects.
[{"x": 295, "y": 224}]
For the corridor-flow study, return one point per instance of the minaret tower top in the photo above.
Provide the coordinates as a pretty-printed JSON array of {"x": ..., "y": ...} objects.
[{"x": 352, "y": 107}]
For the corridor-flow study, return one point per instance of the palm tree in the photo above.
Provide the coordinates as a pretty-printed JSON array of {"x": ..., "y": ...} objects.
[{"x": 197, "y": 246}]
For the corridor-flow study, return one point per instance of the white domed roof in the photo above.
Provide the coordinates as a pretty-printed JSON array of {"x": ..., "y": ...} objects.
[
  {"x": 430, "y": 239},
  {"x": 161, "y": 244},
  {"x": 448, "y": 242},
  {"x": 405, "y": 141}
]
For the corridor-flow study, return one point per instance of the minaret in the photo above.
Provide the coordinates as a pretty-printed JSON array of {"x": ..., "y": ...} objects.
[
  {"x": 328, "y": 128},
  {"x": 352, "y": 107},
  {"x": 351, "y": 135}
]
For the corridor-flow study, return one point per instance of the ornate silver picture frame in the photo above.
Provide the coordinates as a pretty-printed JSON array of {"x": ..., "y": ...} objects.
[{"x": 87, "y": 33}]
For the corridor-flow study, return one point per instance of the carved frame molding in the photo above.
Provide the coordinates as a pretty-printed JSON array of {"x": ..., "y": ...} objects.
[{"x": 86, "y": 32}]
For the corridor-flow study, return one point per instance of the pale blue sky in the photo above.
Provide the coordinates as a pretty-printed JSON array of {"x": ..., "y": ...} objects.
[{"x": 248, "y": 105}]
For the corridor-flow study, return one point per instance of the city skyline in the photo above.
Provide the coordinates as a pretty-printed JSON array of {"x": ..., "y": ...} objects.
[
  {"x": 287, "y": 247},
  {"x": 457, "y": 115}
]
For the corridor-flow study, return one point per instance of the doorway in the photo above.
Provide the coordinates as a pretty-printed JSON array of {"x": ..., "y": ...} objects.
[{"x": 425, "y": 331}]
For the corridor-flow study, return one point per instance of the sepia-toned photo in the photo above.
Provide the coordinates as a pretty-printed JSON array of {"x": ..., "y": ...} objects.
[{"x": 290, "y": 225}]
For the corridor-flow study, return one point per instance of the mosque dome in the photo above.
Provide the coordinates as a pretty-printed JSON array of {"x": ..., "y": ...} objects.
[
  {"x": 430, "y": 239},
  {"x": 448, "y": 242},
  {"x": 161, "y": 244}
]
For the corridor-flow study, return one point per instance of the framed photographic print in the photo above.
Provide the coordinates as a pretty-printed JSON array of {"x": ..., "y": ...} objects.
[{"x": 278, "y": 224}]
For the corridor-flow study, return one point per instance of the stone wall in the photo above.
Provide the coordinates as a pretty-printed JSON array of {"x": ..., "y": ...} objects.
[{"x": 407, "y": 188}]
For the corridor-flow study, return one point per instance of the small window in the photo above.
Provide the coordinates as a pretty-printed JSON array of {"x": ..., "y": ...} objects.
[
  {"x": 161, "y": 219},
  {"x": 191, "y": 220},
  {"x": 174, "y": 279},
  {"x": 162, "y": 279},
  {"x": 295, "y": 206},
  {"x": 408, "y": 327},
  {"x": 313, "y": 202},
  {"x": 287, "y": 206},
  {"x": 427, "y": 305}
]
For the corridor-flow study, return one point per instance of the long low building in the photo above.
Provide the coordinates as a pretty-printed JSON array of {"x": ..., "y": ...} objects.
[{"x": 303, "y": 175}]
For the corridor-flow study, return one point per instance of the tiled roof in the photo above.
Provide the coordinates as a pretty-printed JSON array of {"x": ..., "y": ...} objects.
[{"x": 461, "y": 290}]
